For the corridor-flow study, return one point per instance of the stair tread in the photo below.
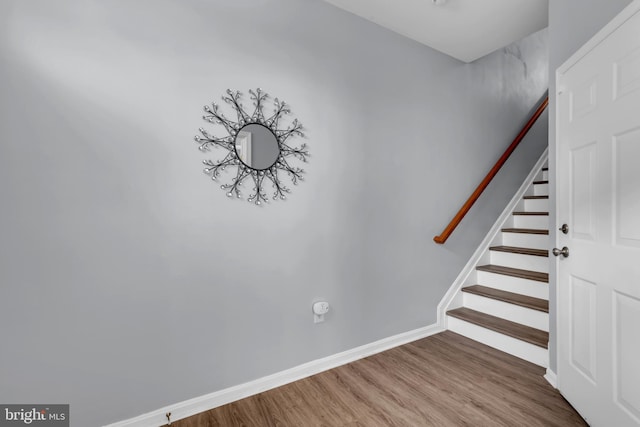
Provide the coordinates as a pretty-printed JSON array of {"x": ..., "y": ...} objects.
[
  {"x": 518, "y": 250},
  {"x": 540, "y": 182},
  {"x": 532, "y": 213},
  {"x": 535, "y": 197},
  {"x": 525, "y": 230},
  {"x": 506, "y": 327},
  {"x": 538, "y": 304},
  {"x": 515, "y": 272}
]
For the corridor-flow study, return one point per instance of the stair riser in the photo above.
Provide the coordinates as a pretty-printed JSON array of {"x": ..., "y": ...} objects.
[
  {"x": 515, "y": 313},
  {"x": 532, "y": 241},
  {"x": 536, "y": 205},
  {"x": 521, "y": 349},
  {"x": 545, "y": 176},
  {"x": 513, "y": 284},
  {"x": 540, "y": 189},
  {"x": 531, "y": 221},
  {"x": 523, "y": 262}
]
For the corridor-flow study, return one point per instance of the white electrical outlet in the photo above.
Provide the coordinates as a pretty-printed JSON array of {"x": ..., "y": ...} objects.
[{"x": 319, "y": 310}]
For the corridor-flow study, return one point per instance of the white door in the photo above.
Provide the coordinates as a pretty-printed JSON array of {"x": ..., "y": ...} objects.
[{"x": 598, "y": 197}]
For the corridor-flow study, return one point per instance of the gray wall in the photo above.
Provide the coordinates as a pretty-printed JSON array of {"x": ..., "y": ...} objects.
[
  {"x": 129, "y": 281},
  {"x": 571, "y": 24}
]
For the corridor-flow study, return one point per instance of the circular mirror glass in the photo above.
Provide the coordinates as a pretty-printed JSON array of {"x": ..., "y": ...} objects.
[{"x": 257, "y": 146}]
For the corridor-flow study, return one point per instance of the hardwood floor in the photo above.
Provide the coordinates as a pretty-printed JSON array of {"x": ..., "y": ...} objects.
[{"x": 442, "y": 380}]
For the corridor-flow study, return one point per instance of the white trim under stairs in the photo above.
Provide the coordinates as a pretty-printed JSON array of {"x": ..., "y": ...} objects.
[{"x": 499, "y": 297}]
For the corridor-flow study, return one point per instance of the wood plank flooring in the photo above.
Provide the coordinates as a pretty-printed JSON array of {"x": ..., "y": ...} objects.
[{"x": 442, "y": 380}]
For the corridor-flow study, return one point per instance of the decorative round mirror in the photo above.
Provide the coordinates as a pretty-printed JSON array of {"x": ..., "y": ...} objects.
[{"x": 257, "y": 146}]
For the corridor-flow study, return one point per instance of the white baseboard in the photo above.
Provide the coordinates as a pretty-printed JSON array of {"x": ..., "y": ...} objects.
[
  {"x": 551, "y": 378},
  {"x": 222, "y": 397},
  {"x": 469, "y": 268}
]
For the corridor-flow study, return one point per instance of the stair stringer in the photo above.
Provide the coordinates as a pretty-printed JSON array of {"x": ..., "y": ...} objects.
[{"x": 453, "y": 297}]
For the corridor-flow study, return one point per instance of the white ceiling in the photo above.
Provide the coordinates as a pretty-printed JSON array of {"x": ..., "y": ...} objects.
[{"x": 464, "y": 29}]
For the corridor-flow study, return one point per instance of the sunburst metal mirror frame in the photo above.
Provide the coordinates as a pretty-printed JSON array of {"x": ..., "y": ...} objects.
[{"x": 243, "y": 171}]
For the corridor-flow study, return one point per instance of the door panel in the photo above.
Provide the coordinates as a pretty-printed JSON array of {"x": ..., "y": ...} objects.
[
  {"x": 582, "y": 187},
  {"x": 583, "y": 100},
  {"x": 583, "y": 327},
  {"x": 627, "y": 366},
  {"x": 598, "y": 190},
  {"x": 626, "y": 74},
  {"x": 626, "y": 191}
]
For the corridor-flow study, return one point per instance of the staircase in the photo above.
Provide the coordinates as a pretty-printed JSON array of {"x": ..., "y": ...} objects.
[{"x": 504, "y": 301}]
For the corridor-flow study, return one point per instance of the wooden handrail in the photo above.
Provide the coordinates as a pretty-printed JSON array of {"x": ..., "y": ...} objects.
[{"x": 492, "y": 173}]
